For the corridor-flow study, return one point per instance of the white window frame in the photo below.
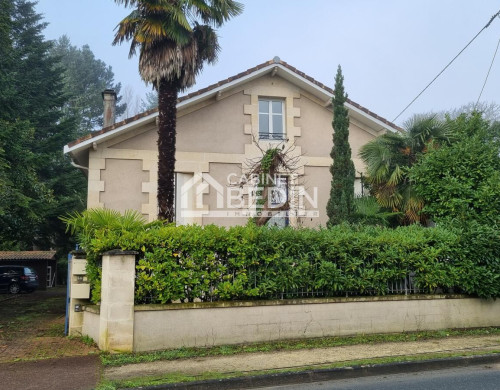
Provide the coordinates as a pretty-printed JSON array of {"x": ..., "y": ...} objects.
[
  {"x": 272, "y": 134},
  {"x": 282, "y": 188}
]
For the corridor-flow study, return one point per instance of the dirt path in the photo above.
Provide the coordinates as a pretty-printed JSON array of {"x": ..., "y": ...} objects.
[
  {"x": 34, "y": 353},
  {"x": 32, "y": 327},
  {"x": 287, "y": 359},
  {"x": 73, "y": 373}
]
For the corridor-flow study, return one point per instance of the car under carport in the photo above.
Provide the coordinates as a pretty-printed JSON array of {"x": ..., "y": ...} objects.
[{"x": 43, "y": 262}]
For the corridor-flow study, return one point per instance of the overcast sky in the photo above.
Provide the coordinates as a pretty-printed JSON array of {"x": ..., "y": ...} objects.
[{"x": 389, "y": 50}]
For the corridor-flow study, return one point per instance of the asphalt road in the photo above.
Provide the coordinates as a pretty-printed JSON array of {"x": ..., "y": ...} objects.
[{"x": 470, "y": 378}]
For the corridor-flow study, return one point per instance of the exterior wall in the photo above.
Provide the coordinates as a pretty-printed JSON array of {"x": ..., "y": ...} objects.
[
  {"x": 221, "y": 173},
  {"x": 357, "y": 138},
  {"x": 185, "y": 200},
  {"x": 316, "y": 123},
  {"x": 123, "y": 180},
  {"x": 245, "y": 322},
  {"x": 215, "y": 138},
  {"x": 90, "y": 325},
  {"x": 141, "y": 140},
  {"x": 320, "y": 178},
  {"x": 316, "y": 137},
  {"x": 215, "y": 128}
]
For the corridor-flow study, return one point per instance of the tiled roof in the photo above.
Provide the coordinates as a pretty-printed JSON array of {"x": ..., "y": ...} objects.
[
  {"x": 27, "y": 255},
  {"x": 227, "y": 81}
]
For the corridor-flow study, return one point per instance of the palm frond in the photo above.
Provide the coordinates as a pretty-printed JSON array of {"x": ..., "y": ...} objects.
[
  {"x": 389, "y": 157},
  {"x": 396, "y": 176},
  {"x": 223, "y": 11},
  {"x": 377, "y": 158},
  {"x": 388, "y": 196},
  {"x": 87, "y": 223},
  {"x": 175, "y": 38},
  {"x": 413, "y": 206},
  {"x": 127, "y": 3},
  {"x": 369, "y": 212},
  {"x": 207, "y": 44},
  {"x": 421, "y": 129}
]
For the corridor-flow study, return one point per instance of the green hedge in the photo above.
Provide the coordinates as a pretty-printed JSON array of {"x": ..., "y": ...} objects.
[{"x": 217, "y": 263}]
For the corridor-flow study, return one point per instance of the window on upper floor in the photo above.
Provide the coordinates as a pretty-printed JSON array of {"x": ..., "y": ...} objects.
[{"x": 271, "y": 119}]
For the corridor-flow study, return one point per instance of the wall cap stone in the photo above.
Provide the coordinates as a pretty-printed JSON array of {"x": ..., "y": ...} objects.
[
  {"x": 78, "y": 253},
  {"x": 307, "y": 301},
  {"x": 118, "y": 252},
  {"x": 96, "y": 309}
]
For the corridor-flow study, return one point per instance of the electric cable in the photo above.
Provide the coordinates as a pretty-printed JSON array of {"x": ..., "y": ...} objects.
[
  {"x": 487, "y": 74},
  {"x": 446, "y": 67}
]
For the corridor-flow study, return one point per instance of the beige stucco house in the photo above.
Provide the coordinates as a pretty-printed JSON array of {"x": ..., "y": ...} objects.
[{"x": 219, "y": 130}]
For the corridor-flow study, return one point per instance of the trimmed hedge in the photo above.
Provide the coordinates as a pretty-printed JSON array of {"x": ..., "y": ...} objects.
[{"x": 247, "y": 262}]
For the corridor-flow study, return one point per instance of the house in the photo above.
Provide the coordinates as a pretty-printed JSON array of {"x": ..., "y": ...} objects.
[
  {"x": 220, "y": 129},
  {"x": 43, "y": 262}
]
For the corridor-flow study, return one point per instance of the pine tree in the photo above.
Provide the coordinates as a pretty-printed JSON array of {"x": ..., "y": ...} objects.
[
  {"x": 340, "y": 206},
  {"x": 22, "y": 194},
  {"x": 85, "y": 77},
  {"x": 38, "y": 183},
  {"x": 7, "y": 60},
  {"x": 20, "y": 187}
]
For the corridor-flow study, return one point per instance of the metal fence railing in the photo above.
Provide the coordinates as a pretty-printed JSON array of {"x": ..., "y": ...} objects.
[
  {"x": 404, "y": 286},
  {"x": 272, "y": 136}
]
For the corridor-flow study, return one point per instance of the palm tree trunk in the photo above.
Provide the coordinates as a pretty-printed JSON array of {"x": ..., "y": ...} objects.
[{"x": 167, "y": 121}]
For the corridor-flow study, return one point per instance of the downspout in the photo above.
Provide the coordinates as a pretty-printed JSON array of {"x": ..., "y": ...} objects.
[{"x": 78, "y": 166}]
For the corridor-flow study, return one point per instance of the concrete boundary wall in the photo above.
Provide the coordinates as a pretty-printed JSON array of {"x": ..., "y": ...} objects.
[
  {"x": 194, "y": 327},
  {"x": 119, "y": 326}
]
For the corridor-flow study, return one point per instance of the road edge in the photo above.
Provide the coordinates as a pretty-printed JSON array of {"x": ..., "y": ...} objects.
[{"x": 318, "y": 375}]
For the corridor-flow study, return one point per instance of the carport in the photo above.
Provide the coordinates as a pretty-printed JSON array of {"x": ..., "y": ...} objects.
[{"x": 43, "y": 262}]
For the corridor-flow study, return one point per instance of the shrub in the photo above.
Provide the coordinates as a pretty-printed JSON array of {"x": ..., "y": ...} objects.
[
  {"x": 461, "y": 180},
  {"x": 213, "y": 263},
  {"x": 476, "y": 256}
]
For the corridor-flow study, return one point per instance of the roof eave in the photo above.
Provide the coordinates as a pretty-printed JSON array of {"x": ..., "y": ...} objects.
[
  {"x": 181, "y": 105},
  {"x": 317, "y": 89},
  {"x": 307, "y": 85},
  {"x": 109, "y": 134}
]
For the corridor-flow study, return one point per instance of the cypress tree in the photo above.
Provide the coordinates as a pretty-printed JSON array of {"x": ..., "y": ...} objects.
[{"x": 340, "y": 206}]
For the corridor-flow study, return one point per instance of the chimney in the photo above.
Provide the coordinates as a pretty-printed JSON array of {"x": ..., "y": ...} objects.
[{"x": 109, "y": 99}]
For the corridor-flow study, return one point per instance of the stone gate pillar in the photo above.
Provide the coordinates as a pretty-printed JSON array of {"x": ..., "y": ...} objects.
[{"x": 116, "y": 321}]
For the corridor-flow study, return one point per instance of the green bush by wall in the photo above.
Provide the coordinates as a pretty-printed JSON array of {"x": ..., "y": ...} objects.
[{"x": 248, "y": 262}]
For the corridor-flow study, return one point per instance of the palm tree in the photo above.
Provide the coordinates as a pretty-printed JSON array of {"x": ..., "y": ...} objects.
[
  {"x": 389, "y": 157},
  {"x": 175, "y": 38}
]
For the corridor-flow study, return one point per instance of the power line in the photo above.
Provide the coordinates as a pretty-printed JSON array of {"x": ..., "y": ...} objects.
[
  {"x": 487, "y": 75},
  {"x": 446, "y": 67}
]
